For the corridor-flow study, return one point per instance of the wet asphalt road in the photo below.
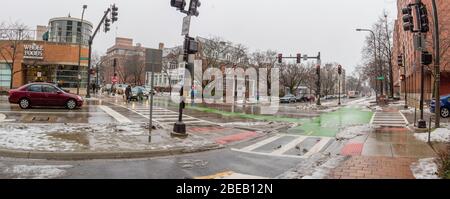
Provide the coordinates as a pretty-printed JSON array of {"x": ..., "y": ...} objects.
[{"x": 175, "y": 167}]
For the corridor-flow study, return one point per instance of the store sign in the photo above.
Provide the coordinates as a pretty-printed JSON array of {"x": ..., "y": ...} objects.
[{"x": 33, "y": 51}]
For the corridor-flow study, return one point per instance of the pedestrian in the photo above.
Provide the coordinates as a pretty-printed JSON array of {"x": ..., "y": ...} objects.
[
  {"x": 94, "y": 87},
  {"x": 128, "y": 93}
]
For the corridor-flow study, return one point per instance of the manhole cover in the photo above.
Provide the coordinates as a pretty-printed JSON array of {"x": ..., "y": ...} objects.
[{"x": 41, "y": 119}]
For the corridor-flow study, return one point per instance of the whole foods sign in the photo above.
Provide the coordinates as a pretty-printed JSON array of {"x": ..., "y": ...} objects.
[{"x": 33, "y": 51}]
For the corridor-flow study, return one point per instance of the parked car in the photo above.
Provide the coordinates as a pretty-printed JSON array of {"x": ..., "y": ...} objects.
[
  {"x": 44, "y": 94},
  {"x": 288, "y": 99},
  {"x": 445, "y": 106},
  {"x": 148, "y": 88},
  {"x": 145, "y": 92}
]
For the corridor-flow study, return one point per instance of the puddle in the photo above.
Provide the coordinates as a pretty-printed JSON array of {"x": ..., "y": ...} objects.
[{"x": 80, "y": 138}]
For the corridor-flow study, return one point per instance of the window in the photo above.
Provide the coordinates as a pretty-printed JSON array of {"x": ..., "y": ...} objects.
[
  {"x": 35, "y": 88},
  {"x": 49, "y": 89}
]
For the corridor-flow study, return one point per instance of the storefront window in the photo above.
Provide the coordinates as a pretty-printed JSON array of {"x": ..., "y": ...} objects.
[{"x": 5, "y": 76}]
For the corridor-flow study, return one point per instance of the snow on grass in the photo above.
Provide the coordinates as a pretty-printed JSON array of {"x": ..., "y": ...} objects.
[
  {"x": 37, "y": 172},
  {"x": 425, "y": 169},
  {"x": 439, "y": 135},
  {"x": 354, "y": 131}
]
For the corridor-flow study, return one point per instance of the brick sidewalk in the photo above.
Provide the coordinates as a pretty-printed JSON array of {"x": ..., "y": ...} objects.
[{"x": 359, "y": 167}]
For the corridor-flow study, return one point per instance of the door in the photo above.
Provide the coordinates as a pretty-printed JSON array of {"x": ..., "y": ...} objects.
[
  {"x": 52, "y": 97},
  {"x": 35, "y": 95}
]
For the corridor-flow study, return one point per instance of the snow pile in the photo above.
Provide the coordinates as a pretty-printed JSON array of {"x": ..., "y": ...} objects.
[
  {"x": 37, "y": 172},
  {"x": 361, "y": 102},
  {"x": 439, "y": 135},
  {"x": 92, "y": 137},
  {"x": 354, "y": 131},
  {"x": 425, "y": 169}
]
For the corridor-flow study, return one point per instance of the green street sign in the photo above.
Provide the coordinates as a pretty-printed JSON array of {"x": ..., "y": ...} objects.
[
  {"x": 84, "y": 58},
  {"x": 380, "y": 78}
]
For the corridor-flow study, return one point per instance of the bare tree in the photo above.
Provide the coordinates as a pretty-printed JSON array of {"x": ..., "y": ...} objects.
[
  {"x": 293, "y": 75},
  {"x": 134, "y": 68},
  {"x": 264, "y": 59},
  {"x": 329, "y": 79},
  {"x": 170, "y": 63},
  {"x": 13, "y": 34}
]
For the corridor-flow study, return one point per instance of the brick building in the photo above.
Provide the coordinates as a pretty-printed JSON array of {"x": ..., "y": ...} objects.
[{"x": 404, "y": 45}]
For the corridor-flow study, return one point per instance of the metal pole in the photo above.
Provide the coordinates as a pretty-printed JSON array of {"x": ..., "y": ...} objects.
[
  {"x": 422, "y": 123},
  {"x": 405, "y": 82},
  {"x": 88, "y": 90},
  {"x": 319, "y": 62},
  {"x": 151, "y": 101},
  {"x": 79, "y": 49},
  {"x": 437, "y": 60},
  {"x": 339, "y": 89}
]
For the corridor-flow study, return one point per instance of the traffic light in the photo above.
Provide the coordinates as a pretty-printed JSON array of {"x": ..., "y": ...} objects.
[
  {"x": 299, "y": 58},
  {"x": 427, "y": 58},
  {"x": 400, "y": 60},
  {"x": 408, "y": 23},
  {"x": 280, "y": 58},
  {"x": 193, "y": 7},
  {"x": 424, "y": 22},
  {"x": 179, "y": 4},
  {"x": 340, "y": 70},
  {"x": 114, "y": 13},
  {"x": 114, "y": 62},
  {"x": 107, "y": 25}
]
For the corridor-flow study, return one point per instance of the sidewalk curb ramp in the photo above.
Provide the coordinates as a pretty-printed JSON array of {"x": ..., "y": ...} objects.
[{"x": 72, "y": 156}]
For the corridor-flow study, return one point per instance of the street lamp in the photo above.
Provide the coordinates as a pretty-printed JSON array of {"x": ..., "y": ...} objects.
[
  {"x": 79, "y": 48},
  {"x": 376, "y": 57}
]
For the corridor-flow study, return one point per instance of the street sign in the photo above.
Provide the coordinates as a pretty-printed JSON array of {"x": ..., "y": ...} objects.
[
  {"x": 380, "y": 78},
  {"x": 419, "y": 42},
  {"x": 305, "y": 57},
  {"x": 84, "y": 58},
  {"x": 186, "y": 25}
]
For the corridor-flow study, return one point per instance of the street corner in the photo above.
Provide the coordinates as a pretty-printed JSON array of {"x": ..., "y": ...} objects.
[{"x": 94, "y": 141}]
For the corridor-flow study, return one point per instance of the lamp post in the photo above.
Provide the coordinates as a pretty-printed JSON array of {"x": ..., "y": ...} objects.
[
  {"x": 79, "y": 48},
  {"x": 376, "y": 57}
]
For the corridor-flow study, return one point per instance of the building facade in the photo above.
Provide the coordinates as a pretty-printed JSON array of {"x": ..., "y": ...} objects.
[
  {"x": 404, "y": 46},
  {"x": 41, "y": 56}
]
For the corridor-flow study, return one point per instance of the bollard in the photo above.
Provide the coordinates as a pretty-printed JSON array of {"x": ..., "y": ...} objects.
[
  {"x": 429, "y": 131},
  {"x": 415, "y": 117}
]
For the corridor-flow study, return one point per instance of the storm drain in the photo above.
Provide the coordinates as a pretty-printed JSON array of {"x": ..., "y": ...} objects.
[{"x": 41, "y": 119}]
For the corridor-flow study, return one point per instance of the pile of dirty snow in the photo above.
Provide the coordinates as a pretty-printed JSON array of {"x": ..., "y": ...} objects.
[
  {"x": 439, "y": 135},
  {"x": 354, "y": 131},
  {"x": 425, "y": 169}
]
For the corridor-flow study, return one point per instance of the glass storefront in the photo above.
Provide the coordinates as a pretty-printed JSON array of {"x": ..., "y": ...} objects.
[
  {"x": 67, "y": 30},
  {"x": 5, "y": 76},
  {"x": 67, "y": 76}
]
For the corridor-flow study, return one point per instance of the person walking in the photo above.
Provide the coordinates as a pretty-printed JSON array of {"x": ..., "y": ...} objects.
[{"x": 128, "y": 93}]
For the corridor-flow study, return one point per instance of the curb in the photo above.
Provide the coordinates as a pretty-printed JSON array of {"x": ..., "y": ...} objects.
[{"x": 72, "y": 156}]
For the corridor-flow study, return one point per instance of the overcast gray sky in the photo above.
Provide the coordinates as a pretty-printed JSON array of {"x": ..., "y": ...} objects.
[{"x": 288, "y": 26}]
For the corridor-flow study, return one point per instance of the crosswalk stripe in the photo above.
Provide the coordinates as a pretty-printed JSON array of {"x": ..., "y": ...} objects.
[
  {"x": 289, "y": 146},
  {"x": 262, "y": 143},
  {"x": 318, "y": 147}
]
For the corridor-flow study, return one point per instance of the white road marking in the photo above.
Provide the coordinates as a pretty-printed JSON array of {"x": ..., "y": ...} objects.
[
  {"x": 261, "y": 143},
  {"x": 120, "y": 118},
  {"x": 318, "y": 147},
  {"x": 289, "y": 146}
]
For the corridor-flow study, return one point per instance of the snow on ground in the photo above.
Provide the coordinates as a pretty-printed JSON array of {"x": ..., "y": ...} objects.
[
  {"x": 323, "y": 171},
  {"x": 362, "y": 102},
  {"x": 354, "y": 131},
  {"x": 439, "y": 135},
  {"x": 425, "y": 169},
  {"x": 36, "y": 172},
  {"x": 91, "y": 137},
  {"x": 316, "y": 167}
]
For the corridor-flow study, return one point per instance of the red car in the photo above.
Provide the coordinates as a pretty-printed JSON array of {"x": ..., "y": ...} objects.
[{"x": 43, "y": 94}]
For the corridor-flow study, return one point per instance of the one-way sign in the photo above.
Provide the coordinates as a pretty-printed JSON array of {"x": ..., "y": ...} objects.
[{"x": 186, "y": 25}]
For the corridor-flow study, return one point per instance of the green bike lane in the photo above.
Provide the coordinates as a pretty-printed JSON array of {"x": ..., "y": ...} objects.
[{"x": 326, "y": 125}]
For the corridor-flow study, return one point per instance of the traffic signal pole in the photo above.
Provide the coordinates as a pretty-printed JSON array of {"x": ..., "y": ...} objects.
[
  {"x": 91, "y": 40},
  {"x": 437, "y": 60}
]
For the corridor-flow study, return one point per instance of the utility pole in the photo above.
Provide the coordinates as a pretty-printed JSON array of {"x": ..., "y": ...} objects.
[
  {"x": 437, "y": 62},
  {"x": 375, "y": 61},
  {"x": 79, "y": 49},
  {"x": 339, "y": 84}
]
